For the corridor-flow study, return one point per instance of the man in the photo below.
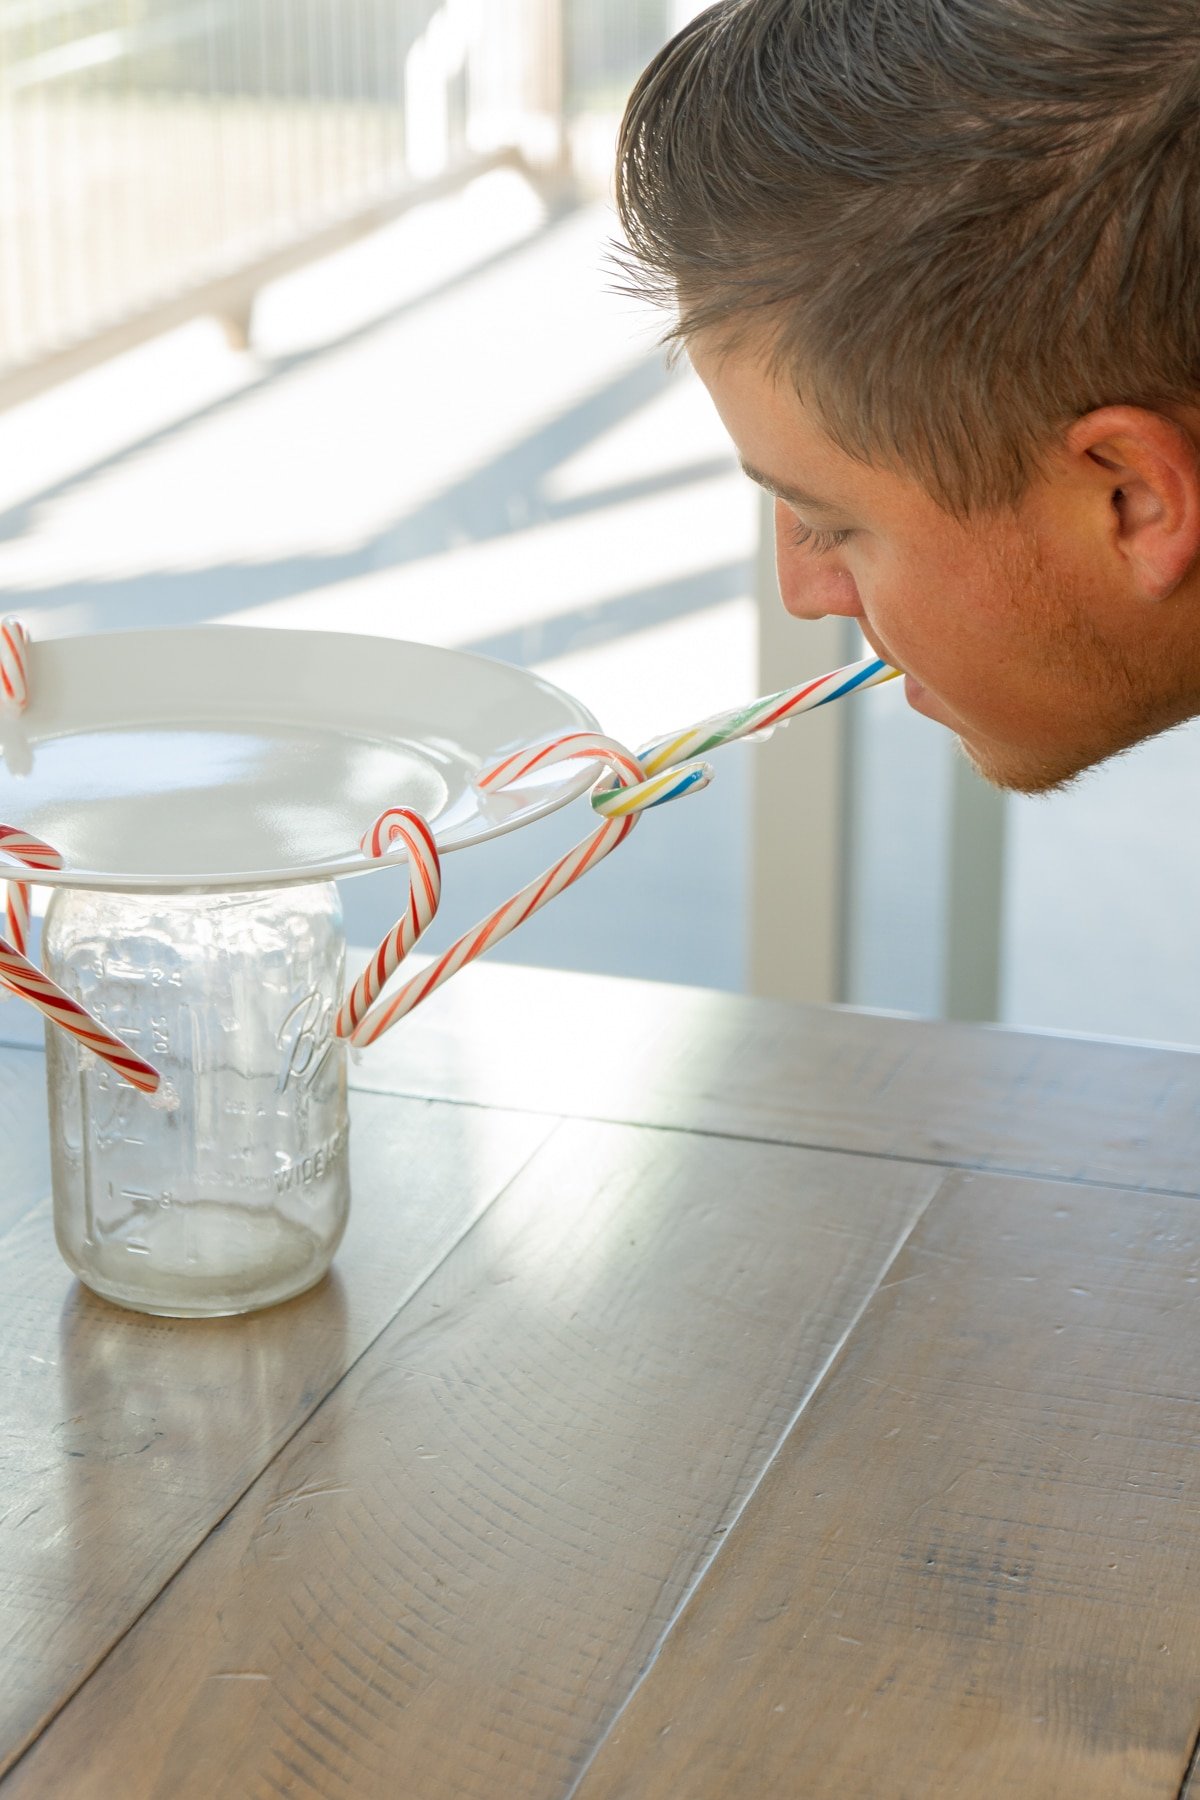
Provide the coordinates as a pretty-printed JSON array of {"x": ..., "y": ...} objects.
[{"x": 938, "y": 263}]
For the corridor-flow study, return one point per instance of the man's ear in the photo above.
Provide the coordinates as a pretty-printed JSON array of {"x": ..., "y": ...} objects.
[{"x": 1145, "y": 469}]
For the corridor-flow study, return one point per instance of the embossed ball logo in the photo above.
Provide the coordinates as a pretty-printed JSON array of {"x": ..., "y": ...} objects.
[{"x": 305, "y": 1040}]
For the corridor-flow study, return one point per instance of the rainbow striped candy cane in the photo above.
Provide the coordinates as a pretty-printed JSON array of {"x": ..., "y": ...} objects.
[
  {"x": 759, "y": 718},
  {"x": 765, "y": 714}
]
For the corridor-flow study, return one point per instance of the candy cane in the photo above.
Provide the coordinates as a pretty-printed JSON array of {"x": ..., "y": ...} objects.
[
  {"x": 764, "y": 714},
  {"x": 634, "y": 784},
  {"x": 399, "y": 825},
  {"x": 14, "y": 663},
  {"x": 14, "y": 693},
  {"x": 27, "y": 980},
  {"x": 564, "y": 748},
  {"x": 28, "y": 850},
  {"x": 17, "y": 907},
  {"x": 569, "y": 868},
  {"x": 34, "y": 854}
]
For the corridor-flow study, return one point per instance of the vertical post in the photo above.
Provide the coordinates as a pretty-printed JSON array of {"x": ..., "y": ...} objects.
[
  {"x": 800, "y": 789},
  {"x": 517, "y": 80},
  {"x": 433, "y": 63},
  {"x": 974, "y": 895}
]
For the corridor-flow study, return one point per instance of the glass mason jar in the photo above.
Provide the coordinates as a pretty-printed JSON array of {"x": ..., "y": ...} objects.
[{"x": 229, "y": 1189}]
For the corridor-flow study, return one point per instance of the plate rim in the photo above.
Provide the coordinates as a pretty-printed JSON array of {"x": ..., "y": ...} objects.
[{"x": 349, "y": 863}]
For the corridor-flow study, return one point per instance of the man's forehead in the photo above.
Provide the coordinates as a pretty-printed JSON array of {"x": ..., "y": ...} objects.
[
  {"x": 783, "y": 490},
  {"x": 782, "y": 444}
]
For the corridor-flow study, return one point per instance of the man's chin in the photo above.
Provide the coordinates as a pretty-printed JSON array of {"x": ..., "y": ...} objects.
[
  {"x": 1016, "y": 770},
  {"x": 1022, "y": 772}
]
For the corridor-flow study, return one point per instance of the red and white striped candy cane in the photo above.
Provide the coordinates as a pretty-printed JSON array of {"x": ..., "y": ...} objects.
[
  {"x": 565, "y": 748},
  {"x": 27, "y": 849},
  {"x": 539, "y": 893},
  {"x": 14, "y": 693},
  {"x": 14, "y": 663},
  {"x": 18, "y": 901},
  {"x": 398, "y": 825},
  {"x": 35, "y": 855},
  {"x": 27, "y": 980}
]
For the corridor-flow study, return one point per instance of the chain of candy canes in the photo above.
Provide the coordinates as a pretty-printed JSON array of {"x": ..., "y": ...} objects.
[
  {"x": 662, "y": 771},
  {"x": 398, "y": 825},
  {"x": 568, "y": 869},
  {"x": 425, "y": 886},
  {"x": 14, "y": 693}
]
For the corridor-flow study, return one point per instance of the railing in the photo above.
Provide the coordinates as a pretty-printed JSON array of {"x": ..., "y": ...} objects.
[{"x": 164, "y": 158}]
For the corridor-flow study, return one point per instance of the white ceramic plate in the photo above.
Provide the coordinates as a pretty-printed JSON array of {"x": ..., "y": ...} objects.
[{"x": 221, "y": 756}]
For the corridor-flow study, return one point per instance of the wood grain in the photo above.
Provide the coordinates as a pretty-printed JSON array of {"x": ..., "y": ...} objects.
[
  {"x": 647, "y": 1053},
  {"x": 973, "y": 1568},
  {"x": 24, "y": 1134},
  {"x": 446, "y": 1583},
  {"x": 126, "y": 1438}
]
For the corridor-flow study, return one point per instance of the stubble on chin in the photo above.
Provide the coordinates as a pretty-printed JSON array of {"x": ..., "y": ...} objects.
[
  {"x": 1022, "y": 773},
  {"x": 1101, "y": 737}
]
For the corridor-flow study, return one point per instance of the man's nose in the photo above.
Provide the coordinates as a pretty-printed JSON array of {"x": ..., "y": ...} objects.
[{"x": 809, "y": 586}]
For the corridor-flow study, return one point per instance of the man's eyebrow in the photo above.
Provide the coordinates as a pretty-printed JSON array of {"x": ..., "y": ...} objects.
[{"x": 781, "y": 490}]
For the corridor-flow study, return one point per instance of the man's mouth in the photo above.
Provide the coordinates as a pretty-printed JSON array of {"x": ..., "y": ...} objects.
[
  {"x": 916, "y": 693},
  {"x": 876, "y": 645}
]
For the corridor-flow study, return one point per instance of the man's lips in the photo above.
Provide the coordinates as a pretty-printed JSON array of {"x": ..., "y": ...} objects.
[
  {"x": 876, "y": 645},
  {"x": 916, "y": 693},
  {"x": 917, "y": 696}
]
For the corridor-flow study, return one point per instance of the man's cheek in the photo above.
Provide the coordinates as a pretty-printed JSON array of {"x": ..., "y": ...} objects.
[{"x": 905, "y": 628}]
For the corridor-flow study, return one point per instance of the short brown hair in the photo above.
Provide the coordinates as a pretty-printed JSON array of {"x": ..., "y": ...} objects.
[{"x": 962, "y": 222}]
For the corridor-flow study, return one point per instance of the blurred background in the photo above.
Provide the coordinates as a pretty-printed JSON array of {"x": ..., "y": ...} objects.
[{"x": 307, "y": 319}]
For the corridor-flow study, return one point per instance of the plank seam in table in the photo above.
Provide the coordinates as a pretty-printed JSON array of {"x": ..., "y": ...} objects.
[
  {"x": 704, "y": 1561},
  {"x": 769, "y": 1461},
  {"x": 889, "y": 1157},
  {"x": 302, "y": 1423},
  {"x": 907, "y": 1158},
  {"x": 479, "y": 1227},
  {"x": 717, "y": 1729}
]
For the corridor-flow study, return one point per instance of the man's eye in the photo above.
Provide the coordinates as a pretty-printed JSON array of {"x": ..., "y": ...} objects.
[{"x": 819, "y": 542}]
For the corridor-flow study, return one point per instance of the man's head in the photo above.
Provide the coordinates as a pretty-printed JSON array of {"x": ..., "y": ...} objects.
[{"x": 939, "y": 264}]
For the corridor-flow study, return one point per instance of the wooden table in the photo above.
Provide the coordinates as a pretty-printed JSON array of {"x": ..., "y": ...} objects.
[{"x": 712, "y": 1399}]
